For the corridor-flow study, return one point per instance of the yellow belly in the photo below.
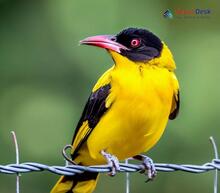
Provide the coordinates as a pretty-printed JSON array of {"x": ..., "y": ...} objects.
[
  {"x": 136, "y": 119},
  {"x": 123, "y": 134}
]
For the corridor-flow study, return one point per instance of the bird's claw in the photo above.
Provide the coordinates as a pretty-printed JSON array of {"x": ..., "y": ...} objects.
[
  {"x": 112, "y": 162},
  {"x": 148, "y": 166}
]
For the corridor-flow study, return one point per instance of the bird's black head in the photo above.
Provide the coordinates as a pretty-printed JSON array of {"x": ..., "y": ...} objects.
[
  {"x": 142, "y": 44},
  {"x": 136, "y": 44}
]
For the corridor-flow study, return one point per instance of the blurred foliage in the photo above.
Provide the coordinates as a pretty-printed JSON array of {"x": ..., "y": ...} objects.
[{"x": 46, "y": 78}]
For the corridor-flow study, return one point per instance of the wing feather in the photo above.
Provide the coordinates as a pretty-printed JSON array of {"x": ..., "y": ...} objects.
[
  {"x": 175, "y": 106},
  {"x": 176, "y": 98},
  {"x": 92, "y": 113}
]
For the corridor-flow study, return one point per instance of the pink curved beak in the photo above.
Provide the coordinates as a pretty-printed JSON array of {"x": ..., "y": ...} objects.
[{"x": 104, "y": 41}]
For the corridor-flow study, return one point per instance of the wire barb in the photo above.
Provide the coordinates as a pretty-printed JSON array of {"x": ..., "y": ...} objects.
[
  {"x": 216, "y": 171},
  {"x": 66, "y": 157},
  {"x": 127, "y": 179},
  {"x": 17, "y": 159}
]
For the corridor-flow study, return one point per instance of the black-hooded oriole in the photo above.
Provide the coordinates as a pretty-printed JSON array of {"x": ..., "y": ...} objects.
[{"x": 129, "y": 106}]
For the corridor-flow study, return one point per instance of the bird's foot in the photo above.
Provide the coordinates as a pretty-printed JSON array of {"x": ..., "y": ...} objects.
[
  {"x": 149, "y": 166},
  {"x": 112, "y": 162}
]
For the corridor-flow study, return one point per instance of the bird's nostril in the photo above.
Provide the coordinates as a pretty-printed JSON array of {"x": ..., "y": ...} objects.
[{"x": 113, "y": 39}]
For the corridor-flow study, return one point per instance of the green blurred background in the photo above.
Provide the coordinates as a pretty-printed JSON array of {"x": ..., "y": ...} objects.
[{"x": 45, "y": 79}]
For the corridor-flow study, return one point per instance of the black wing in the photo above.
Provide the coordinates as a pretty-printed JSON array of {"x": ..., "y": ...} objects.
[
  {"x": 175, "y": 112},
  {"x": 93, "y": 111}
]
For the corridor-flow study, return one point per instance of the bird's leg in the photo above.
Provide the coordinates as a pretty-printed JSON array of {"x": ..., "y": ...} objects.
[
  {"x": 112, "y": 162},
  {"x": 148, "y": 166}
]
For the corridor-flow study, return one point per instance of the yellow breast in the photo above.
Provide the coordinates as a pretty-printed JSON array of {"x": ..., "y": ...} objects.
[{"x": 140, "y": 98}]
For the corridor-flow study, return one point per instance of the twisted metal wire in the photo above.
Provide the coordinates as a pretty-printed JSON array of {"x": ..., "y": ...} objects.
[
  {"x": 70, "y": 170},
  {"x": 124, "y": 167}
]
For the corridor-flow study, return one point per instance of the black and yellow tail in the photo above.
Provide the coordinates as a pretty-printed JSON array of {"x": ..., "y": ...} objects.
[{"x": 79, "y": 183}]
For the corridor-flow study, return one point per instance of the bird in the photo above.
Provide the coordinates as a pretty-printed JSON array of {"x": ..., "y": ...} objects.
[{"x": 128, "y": 108}]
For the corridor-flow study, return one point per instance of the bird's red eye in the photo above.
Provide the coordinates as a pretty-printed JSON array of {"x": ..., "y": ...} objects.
[{"x": 135, "y": 43}]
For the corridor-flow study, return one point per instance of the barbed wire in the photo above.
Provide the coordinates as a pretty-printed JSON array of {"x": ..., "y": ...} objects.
[
  {"x": 124, "y": 167},
  {"x": 72, "y": 169}
]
